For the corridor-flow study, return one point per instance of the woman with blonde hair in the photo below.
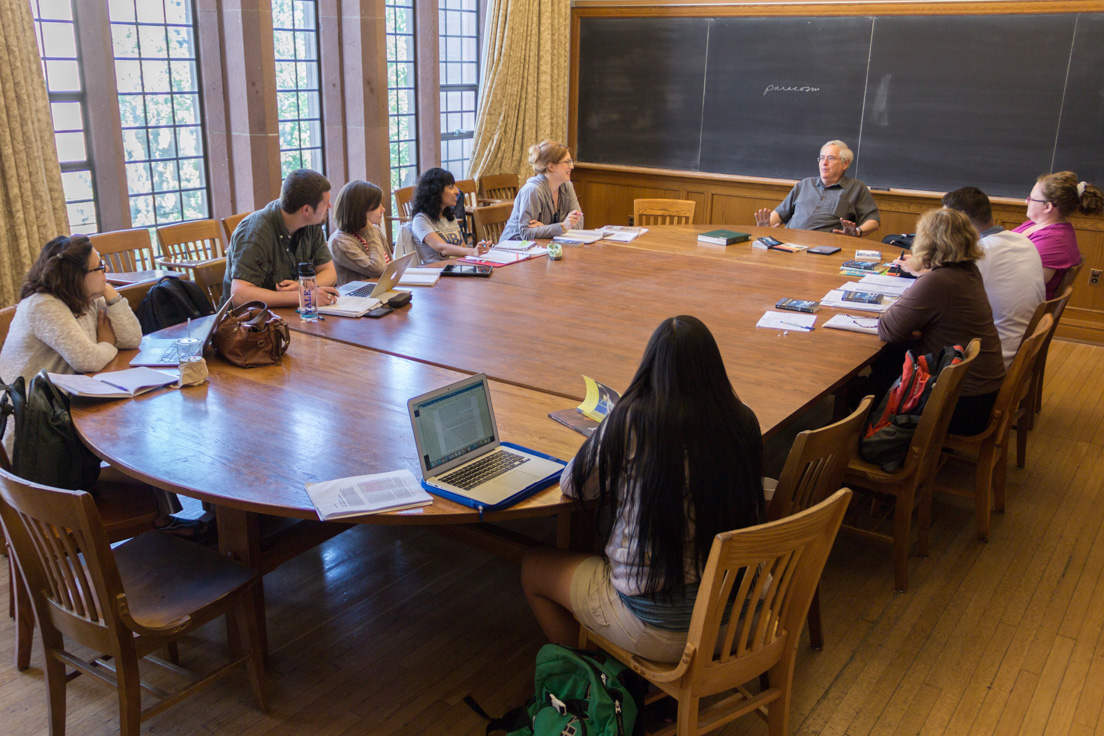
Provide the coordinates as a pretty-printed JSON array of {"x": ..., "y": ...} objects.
[
  {"x": 946, "y": 306},
  {"x": 546, "y": 206},
  {"x": 1052, "y": 200}
]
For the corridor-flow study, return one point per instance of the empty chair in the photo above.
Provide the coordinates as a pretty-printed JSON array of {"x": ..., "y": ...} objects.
[
  {"x": 910, "y": 487},
  {"x": 489, "y": 221},
  {"x": 814, "y": 470},
  {"x": 404, "y": 200},
  {"x": 988, "y": 451},
  {"x": 187, "y": 243},
  {"x": 230, "y": 224},
  {"x": 126, "y": 251},
  {"x": 498, "y": 186},
  {"x": 125, "y": 603},
  {"x": 209, "y": 276},
  {"x": 769, "y": 572},
  {"x": 663, "y": 212}
]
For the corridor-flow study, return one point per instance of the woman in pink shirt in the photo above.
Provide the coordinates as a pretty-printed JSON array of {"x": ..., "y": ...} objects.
[{"x": 1052, "y": 200}]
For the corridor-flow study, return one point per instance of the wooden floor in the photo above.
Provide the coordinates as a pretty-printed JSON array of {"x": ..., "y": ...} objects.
[{"x": 384, "y": 630}]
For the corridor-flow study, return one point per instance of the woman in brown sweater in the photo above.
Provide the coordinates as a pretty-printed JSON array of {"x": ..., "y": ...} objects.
[{"x": 946, "y": 306}]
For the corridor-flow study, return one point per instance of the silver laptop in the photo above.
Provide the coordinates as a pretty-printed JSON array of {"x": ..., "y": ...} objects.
[
  {"x": 459, "y": 448},
  {"x": 163, "y": 352},
  {"x": 383, "y": 289}
]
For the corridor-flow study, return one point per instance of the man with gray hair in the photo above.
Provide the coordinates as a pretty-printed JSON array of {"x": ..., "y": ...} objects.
[{"x": 829, "y": 202}]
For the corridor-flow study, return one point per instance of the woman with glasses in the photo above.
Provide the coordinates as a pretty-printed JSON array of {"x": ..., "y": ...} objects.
[
  {"x": 69, "y": 319},
  {"x": 1052, "y": 200},
  {"x": 546, "y": 206}
]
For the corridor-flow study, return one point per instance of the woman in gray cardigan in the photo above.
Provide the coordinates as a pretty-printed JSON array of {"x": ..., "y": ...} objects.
[{"x": 546, "y": 206}]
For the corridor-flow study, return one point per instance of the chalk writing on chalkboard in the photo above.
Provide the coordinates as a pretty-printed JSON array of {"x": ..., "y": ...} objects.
[{"x": 776, "y": 88}]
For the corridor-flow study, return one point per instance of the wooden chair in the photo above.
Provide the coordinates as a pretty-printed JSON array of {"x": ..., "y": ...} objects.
[
  {"x": 988, "y": 451},
  {"x": 1069, "y": 279},
  {"x": 7, "y": 314},
  {"x": 471, "y": 201},
  {"x": 230, "y": 224},
  {"x": 910, "y": 486},
  {"x": 1054, "y": 307},
  {"x": 209, "y": 276},
  {"x": 185, "y": 244},
  {"x": 723, "y": 656},
  {"x": 490, "y": 221},
  {"x": 404, "y": 245},
  {"x": 814, "y": 470},
  {"x": 125, "y": 603},
  {"x": 126, "y": 251},
  {"x": 663, "y": 212},
  {"x": 498, "y": 186},
  {"x": 404, "y": 199}
]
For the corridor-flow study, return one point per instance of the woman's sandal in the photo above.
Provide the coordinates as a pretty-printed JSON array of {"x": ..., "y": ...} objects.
[{"x": 193, "y": 530}]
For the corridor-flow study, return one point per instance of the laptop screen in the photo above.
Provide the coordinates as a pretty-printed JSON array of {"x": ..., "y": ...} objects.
[{"x": 453, "y": 424}]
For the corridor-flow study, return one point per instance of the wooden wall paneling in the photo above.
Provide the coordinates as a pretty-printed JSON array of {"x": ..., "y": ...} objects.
[
  {"x": 332, "y": 83},
  {"x": 249, "y": 69},
  {"x": 105, "y": 138},
  {"x": 356, "y": 118},
  {"x": 427, "y": 64},
  {"x": 216, "y": 122}
]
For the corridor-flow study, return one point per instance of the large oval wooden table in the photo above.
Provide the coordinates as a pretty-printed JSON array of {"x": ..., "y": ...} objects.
[{"x": 249, "y": 440}]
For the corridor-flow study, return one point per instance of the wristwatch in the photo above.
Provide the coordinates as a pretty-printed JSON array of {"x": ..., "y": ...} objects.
[{"x": 118, "y": 298}]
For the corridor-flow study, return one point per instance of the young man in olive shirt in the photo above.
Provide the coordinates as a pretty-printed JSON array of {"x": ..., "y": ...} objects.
[{"x": 267, "y": 247}]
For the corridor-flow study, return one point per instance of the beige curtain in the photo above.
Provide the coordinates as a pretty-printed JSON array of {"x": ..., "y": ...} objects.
[
  {"x": 523, "y": 97},
  {"x": 32, "y": 204}
]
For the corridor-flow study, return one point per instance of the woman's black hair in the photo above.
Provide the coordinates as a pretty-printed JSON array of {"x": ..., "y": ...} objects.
[
  {"x": 59, "y": 271},
  {"x": 681, "y": 439},
  {"x": 427, "y": 194}
]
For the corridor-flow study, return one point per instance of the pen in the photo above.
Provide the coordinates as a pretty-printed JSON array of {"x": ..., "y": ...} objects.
[{"x": 796, "y": 326}]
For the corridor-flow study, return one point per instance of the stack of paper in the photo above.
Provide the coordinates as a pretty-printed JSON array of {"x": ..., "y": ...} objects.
[
  {"x": 515, "y": 244},
  {"x": 789, "y": 321},
  {"x": 420, "y": 277},
  {"x": 582, "y": 236},
  {"x": 868, "y": 325},
  {"x": 623, "y": 233},
  {"x": 835, "y": 300},
  {"x": 367, "y": 494}
]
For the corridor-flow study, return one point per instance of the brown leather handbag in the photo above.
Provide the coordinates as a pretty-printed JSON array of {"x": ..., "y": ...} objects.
[{"x": 251, "y": 336}]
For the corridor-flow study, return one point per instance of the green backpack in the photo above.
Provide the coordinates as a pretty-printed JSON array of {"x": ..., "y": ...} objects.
[{"x": 578, "y": 693}]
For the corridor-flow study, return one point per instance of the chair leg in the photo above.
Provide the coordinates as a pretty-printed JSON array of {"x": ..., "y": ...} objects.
[
  {"x": 923, "y": 521},
  {"x": 816, "y": 637},
  {"x": 1022, "y": 427},
  {"x": 902, "y": 540},
  {"x": 1000, "y": 475},
  {"x": 24, "y": 620},
  {"x": 778, "y": 712},
  {"x": 130, "y": 691},
  {"x": 983, "y": 484},
  {"x": 687, "y": 715},
  {"x": 55, "y": 692},
  {"x": 172, "y": 650}
]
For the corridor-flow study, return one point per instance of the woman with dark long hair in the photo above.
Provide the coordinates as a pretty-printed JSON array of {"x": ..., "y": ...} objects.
[
  {"x": 437, "y": 234},
  {"x": 678, "y": 460}
]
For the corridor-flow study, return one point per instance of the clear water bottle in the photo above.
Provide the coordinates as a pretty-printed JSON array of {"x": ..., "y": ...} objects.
[{"x": 308, "y": 293}]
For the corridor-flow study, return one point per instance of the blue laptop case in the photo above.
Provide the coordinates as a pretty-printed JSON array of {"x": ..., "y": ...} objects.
[{"x": 521, "y": 495}]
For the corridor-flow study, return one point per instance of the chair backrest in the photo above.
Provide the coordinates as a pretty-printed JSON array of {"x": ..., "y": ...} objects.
[
  {"x": 63, "y": 552},
  {"x": 230, "y": 224},
  {"x": 1069, "y": 279},
  {"x": 1017, "y": 380},
  {"x": 7, "y": 314},
  {"x": 125, "y": 250},
  {"x": 490, "y": 221},
  {"x": 498, "y": 186},
  {"x": 404, "y": 245},
  {"x": 404, "y": 200},
  {"x": 816, "y": 464},
  {"x": 770, "y": 572},
  {"x": 209, "y": 277},
  {"x": 927, "y": 443},
  {"x": 192, "y": 241},
  {"x": 467, "y": 186},
  {"x": 663, "y": 212}
]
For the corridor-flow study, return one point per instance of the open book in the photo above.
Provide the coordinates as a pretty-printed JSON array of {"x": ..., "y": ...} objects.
[
  {"x": 367, "y": 494},
  {"x": 114, "y": 384}
]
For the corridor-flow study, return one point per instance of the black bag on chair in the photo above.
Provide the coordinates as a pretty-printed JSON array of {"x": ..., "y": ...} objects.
[
  {"x": 47, "y": 449},
  {"x": 171, "y": 301}
]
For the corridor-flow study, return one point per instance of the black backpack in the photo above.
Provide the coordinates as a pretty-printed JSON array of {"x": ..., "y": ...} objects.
[
  {"x": 47, "y": 449},
  {"x": 171, "y": 301}
]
